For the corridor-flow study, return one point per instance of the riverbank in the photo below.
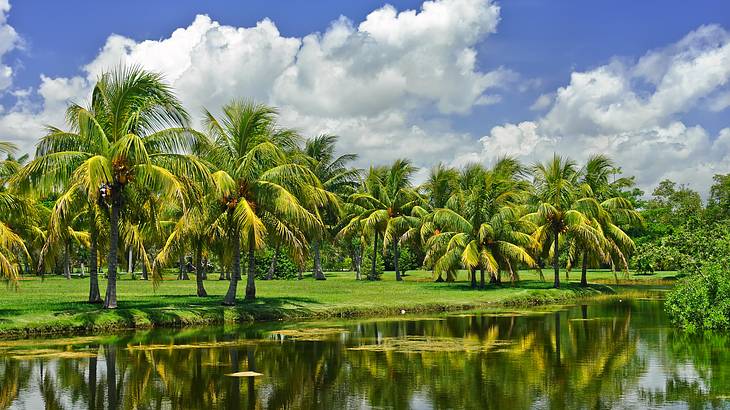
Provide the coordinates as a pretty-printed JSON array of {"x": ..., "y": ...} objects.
[{"x": 56, "y": 305}]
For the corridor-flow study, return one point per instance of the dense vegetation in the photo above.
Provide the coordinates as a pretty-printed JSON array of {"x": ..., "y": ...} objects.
[
  {"x": 128, "y": 180},
  {"x": 681, "y": 233}
]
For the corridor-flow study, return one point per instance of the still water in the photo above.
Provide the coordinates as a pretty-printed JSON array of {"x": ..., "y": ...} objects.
[{"x": 610, "y": 354}]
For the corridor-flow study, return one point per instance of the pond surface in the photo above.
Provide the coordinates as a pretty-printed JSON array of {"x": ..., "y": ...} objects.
[{"x": 610, "y": 354}]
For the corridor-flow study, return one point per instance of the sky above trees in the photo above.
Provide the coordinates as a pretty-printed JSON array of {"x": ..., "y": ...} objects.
[{"x": 456, "y": 81}]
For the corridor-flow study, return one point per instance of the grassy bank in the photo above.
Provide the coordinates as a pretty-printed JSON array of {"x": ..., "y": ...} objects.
[{"x": 56, "y": 305}]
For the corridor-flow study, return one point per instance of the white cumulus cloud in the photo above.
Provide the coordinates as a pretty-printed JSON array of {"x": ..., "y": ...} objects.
[
  {"x": 632, "y": 112},
  {"x": 376, "y": 83}
]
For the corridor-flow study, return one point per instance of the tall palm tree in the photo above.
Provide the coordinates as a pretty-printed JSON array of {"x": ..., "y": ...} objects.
[
  {"x": 132, "y": 136},
  {"x": 13, "y": 210},
  {"x": 481, "y": 225},
  {"x": 259, "y": 189},
  {"x": 385, "y": 204},
  {"x": 613, "y": 211},
  {"x": 443, "y": 182},
  {"x": 336, "y": 178},
  {"x": 558, "y": 208},
  {"x": 196, "y": 228}
]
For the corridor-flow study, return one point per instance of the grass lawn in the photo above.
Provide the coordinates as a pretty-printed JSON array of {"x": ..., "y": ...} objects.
[{"x": 55, "y": 304}]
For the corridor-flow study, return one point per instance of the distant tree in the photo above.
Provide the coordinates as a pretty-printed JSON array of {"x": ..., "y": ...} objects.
[{"x": 337, "y": 179}]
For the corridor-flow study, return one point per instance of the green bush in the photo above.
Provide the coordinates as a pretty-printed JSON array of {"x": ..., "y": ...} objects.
[
  {"x": 367, "y": 263},
  {"x": 650, "y": 258},
  {"x": 406, "y": 261},
  {"x": 285, "y": 267},
  {"x": 701, "y": 300}
]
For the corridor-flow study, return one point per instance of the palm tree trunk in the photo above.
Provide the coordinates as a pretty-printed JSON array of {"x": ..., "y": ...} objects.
[
  {"x": 396, "y": 257},
  {"x": 110, "y": 299},
  {"x": 358, "y": 261},
  {"x": 473, "y": 274},
  {"x": 373, "y": 274},
  {"x": 230, "y": 298},
  {"x": 183, "y": 273},
  {"x": 584, "y": 270},
  {"x": 66, "y": 262},
  {"x": 251, "y": 277},
  {"x": 199, "y": 270},
  {"x": 556, "y": 257},
  {"x": 493, "y": 277},
  {"x": 317, "y": 268},
  {"x": 130, "y": 262},
  {"x": 237, "y": 273},
  {"x": 272, "y": 266},
  {"x": 514, "y": 276},
  {"x": 94, "y": 295},
  {"x": 145, "y": 274},
  {"x": 482, "y": 283}
]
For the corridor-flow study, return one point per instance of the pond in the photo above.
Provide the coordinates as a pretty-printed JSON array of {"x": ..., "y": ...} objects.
[{"x": 616, "y": 353}]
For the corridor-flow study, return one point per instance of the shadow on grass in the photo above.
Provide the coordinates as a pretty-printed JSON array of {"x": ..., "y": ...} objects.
[{"x": 170, "y": 312}]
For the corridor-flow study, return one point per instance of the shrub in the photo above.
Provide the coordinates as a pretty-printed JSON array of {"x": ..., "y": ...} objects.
[
  {"x": 650, "y": 258},
  {"x": 285, "y": 267},
  {"x": 701, "y": 300},
  {"x": 367, "y": 263}
]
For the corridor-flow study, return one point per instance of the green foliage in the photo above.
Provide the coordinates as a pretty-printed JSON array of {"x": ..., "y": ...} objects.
[
  {"x": 650, "y": 258},
  {"x": 406, "y": 260},
  {"x": 687, "y": 249},
  {"x": 718, "y": 205},
  {"x": 367, "y": 262},
  {"x": 285, "y": 266},
  {"x": 701, "y": 301}
]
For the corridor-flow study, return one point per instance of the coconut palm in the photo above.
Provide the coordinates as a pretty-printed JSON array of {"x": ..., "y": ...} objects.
[
  {"x": 385, "y": 203},
  {"x": 336, "y": 178},
  {"x": 196, "y": 228},
  {"x": 443, "y": 182},
  {"x": 482, "y": 227},
  {"x": 133, "y": 135},
  {"x": 14, "y": 209},
  {"x": 259, "y": 189},
  {"x": 612, "y": 212},
  {"x": 559, "y": 208}
]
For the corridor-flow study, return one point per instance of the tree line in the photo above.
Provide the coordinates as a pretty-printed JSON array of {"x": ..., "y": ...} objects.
[{"x": 127, "y": 176}]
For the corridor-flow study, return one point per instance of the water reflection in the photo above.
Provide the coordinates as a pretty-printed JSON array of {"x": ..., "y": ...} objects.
[{"x": 605, "y": 355}]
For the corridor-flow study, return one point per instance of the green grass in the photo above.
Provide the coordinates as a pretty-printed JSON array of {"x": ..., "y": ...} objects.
[{"x": 57, "y": 305}]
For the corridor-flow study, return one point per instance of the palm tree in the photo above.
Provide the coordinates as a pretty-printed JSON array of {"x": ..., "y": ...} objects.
[
  {"x": 612, "y": 211},
  {"x": 13, "y": 210},
  {"x": 443, "y": 182},
  {"x": 481, "y": 225},
  {"x": 132, "y": 136},
  {"x": 259, "y": 189},
  {"x": 196, "y": 228},
  {"x": 385, "y": 204},
  {"x": 560, "y": 209},
  {"x": 336, "y": 178}
]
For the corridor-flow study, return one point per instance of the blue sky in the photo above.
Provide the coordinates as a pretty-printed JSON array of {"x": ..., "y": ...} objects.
[{"x": 531, "y": 46}]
